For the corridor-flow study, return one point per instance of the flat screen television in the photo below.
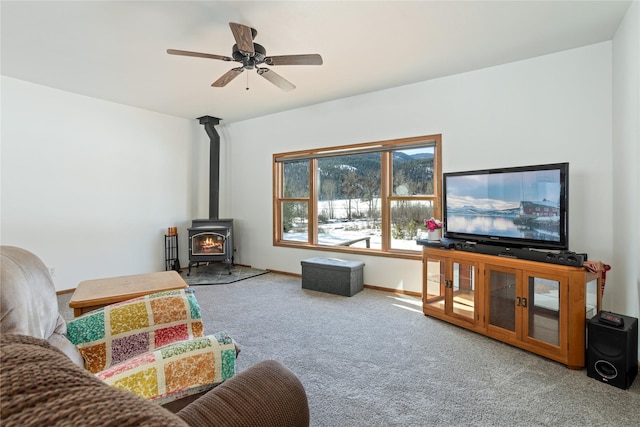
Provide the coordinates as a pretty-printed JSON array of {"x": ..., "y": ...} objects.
[{"x": 524, "y": 206}]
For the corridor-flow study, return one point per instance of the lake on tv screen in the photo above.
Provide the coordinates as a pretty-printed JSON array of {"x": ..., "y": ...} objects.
[{"x": 502, "y": 226}]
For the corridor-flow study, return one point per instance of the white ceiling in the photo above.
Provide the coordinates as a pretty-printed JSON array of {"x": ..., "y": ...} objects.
[{"x": 116, "y": 50}]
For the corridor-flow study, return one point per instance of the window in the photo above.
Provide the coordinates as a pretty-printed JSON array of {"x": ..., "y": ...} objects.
[{"x": 369, "y": 197}]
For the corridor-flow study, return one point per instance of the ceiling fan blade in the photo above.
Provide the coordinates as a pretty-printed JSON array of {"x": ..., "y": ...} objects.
[
  {"x": 244, "y": 37},
  {"x": 227, "y": 77},
  {"x": 276, "y": 79},
  {"x": 198, "y": 54},
  {"x": 309, "y": 59}
]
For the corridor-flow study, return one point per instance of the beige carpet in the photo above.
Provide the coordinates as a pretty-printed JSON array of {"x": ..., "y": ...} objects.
[{"x": 375, "y": 360}]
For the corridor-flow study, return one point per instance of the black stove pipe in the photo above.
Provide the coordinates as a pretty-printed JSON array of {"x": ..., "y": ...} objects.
[{"x": 214, "y": 164}]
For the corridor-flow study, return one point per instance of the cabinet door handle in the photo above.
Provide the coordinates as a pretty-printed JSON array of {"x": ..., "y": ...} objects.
[
  {"x": 524, "y": 302},
  {"x": 518, "y": 301},
  {"x": 448, "y": 284}
]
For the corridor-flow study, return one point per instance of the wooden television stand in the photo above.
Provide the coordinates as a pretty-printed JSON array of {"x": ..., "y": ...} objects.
[{"x": 536, "y": 306}]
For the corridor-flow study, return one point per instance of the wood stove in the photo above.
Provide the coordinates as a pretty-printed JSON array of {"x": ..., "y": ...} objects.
[{"x": 211, "y": 240}]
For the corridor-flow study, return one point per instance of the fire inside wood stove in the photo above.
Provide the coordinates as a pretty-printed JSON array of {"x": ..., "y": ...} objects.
[
  {"x": 211, "y": 240},
  {"x": 209, "y": 243}
]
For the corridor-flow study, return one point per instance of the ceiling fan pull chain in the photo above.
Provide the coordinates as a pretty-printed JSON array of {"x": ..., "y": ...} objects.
[{"x": 247, "y": 88}]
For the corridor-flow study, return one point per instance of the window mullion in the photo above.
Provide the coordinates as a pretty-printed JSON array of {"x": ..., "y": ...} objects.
[
  {"x": 385, "y": 193},
  {"x": 277, "y": 191},
  {"x": 437, "y": 170},
  {"x": 313, "y": 201}
]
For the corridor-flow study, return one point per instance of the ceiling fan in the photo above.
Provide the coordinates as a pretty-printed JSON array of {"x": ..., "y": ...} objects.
[{"x": 251, "y": 55}]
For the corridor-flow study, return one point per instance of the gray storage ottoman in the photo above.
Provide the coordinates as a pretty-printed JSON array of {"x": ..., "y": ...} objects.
[{"x": 332, "y": 275}]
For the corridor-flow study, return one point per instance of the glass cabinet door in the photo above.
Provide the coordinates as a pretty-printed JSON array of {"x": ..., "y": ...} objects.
[
  {"x": 544, "y": 309},
  {"x": 463, "y": 286},
  {"x": 528, "y": 307},
  {"x": 449, "y": 287},
  {"x": 434, "y": 286},
  {"x": 502, "y": 299}
]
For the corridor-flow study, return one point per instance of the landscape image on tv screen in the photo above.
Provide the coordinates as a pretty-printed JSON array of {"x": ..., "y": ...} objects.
[{"x": 518, "y": 205}]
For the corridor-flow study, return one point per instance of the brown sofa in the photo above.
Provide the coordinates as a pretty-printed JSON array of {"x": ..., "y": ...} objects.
[
  {"x": 42, "y": 387},
  {"x": 43, "y": 381}
]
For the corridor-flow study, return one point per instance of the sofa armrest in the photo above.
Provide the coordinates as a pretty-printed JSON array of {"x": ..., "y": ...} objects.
[
  {"x": 266, "y": 394},
  {"x": 41, "y": 386}
]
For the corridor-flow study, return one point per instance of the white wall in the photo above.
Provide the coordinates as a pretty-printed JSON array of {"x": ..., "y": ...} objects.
[
  {"x": 91, "y": 186},
  {"x": 622, "y": 293},
  {"x": 81, "y": 176},
  {"x": 548, "y": 109}
]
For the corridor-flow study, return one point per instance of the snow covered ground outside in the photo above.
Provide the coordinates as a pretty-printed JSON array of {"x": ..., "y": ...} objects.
[{"x": 340, "y": 229}]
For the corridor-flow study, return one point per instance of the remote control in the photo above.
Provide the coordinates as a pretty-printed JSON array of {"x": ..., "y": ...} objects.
[{"x": 611, "y": 319}]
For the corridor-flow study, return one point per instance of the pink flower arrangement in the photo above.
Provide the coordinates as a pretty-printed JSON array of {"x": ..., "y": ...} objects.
[{"x": 432, "y": 224}]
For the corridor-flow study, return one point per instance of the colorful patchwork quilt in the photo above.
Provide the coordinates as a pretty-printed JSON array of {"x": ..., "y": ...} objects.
[
  {"x": 176, "y": 370},
  {"x": 119, "y": 332}
]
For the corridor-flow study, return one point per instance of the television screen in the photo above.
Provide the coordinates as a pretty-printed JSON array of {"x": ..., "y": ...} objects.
[{"x": 522, "y": 206}]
